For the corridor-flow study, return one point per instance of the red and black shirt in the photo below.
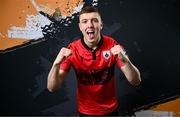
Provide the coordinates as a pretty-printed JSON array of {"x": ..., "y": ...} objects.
[{"x": 95, "y": 75}]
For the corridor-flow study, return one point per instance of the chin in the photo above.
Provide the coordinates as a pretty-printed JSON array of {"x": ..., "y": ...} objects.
[{"x": 91, "y": 40}]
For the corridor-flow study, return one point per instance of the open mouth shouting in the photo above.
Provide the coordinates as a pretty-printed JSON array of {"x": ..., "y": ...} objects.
[{"x": 91, "y": 34}]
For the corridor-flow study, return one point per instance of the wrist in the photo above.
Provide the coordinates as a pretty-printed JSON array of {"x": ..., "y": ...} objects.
[
  {"x": 56, "y": 64},
  {"x": 124, "y": 59},
  {"x": 58, "y": 61}
]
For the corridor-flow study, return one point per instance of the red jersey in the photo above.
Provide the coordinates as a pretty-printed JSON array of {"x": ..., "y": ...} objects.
[{"x": 95, "y": 75}]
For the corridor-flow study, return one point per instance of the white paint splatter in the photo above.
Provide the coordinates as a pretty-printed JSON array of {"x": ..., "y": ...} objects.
[
  {"x": 32, "y": 30},
  {"x": 95, "y": 3},
  {"x": 35, "y": 5},
  {"x": 149, "y": 113},
  {"x": 78, "y": 8}
]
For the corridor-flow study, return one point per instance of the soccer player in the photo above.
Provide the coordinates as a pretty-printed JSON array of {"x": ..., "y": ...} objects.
[{"x": 93, "y": 57}]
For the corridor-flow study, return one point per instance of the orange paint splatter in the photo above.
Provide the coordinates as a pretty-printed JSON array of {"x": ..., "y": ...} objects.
[
  {"x": 14, "y": 13},
  {"x": 170, "y": 106},
  {"x": 66, "y": 6}
]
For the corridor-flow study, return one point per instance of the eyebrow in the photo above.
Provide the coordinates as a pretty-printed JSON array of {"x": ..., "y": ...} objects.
[{"x": 88, "y": 19}]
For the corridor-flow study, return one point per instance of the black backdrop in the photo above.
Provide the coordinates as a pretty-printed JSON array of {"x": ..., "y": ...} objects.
[{"x": 149, "y": 31}]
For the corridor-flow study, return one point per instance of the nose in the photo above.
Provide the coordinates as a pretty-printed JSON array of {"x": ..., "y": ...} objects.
[{"x": 90, "y": 24}]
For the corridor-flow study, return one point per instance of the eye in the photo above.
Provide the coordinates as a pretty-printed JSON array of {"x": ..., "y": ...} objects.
[
  {"x": 95, "y": 20},
  {"x": 84, "y": 21}
]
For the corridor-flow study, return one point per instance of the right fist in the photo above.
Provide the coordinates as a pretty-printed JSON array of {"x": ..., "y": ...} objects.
[{"x": 64, "y": 53}]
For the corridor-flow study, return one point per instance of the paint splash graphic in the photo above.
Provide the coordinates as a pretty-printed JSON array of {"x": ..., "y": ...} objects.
[
  {"x": 32, "y": 30},
  {"x": 36, "y": 24}
]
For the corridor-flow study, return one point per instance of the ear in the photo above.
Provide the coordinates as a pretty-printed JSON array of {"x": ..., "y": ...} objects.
[
  {"x": 80, "y": 27},
  {"x": 101, "y": 25}
]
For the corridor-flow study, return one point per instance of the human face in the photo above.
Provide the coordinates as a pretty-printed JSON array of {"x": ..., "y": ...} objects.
[{"x": 90, "y": 25}]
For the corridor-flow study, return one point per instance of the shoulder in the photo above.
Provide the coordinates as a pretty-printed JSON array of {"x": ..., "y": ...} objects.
[
  {"x": 109, "y": 40},
  {"x": 74, "y": 43}
]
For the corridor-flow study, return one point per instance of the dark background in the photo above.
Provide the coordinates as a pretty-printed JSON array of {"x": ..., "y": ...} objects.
[{"x": 148, "y": 29}]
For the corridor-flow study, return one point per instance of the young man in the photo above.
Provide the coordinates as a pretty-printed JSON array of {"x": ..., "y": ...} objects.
[{"x": 93, "y": 57}]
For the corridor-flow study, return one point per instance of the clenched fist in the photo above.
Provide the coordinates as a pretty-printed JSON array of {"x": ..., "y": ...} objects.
[
  {"x": 118, "y": 51},
  {"x": 64, "y": 53}
]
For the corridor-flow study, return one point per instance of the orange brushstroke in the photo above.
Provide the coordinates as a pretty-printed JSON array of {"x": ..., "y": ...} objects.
[
  {"x": 14, "y": 12},
  {"x": 170, "y": 106},
  {"x": 66, "y": 6},
  {"x": 8, "y": 43}
]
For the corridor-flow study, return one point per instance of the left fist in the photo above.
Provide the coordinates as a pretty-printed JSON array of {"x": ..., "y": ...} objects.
[{"x": 118, "y": 51}]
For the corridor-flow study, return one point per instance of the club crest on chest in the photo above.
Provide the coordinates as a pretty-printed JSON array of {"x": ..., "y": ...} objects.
[{"x": 106, "y": 54}]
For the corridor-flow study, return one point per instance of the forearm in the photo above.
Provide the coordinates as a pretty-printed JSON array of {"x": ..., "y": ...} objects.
[
  {"x": 56, "y": 75},
  {"x": 131, "y": 72},
  {"x": 54, "y": 79}
]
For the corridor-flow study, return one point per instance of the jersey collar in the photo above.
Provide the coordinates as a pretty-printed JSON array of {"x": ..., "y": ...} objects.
[{"x": 88, "y": 48}]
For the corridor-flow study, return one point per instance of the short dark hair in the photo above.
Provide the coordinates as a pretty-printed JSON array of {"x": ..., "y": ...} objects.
[{"x": 89, "y": 9}]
